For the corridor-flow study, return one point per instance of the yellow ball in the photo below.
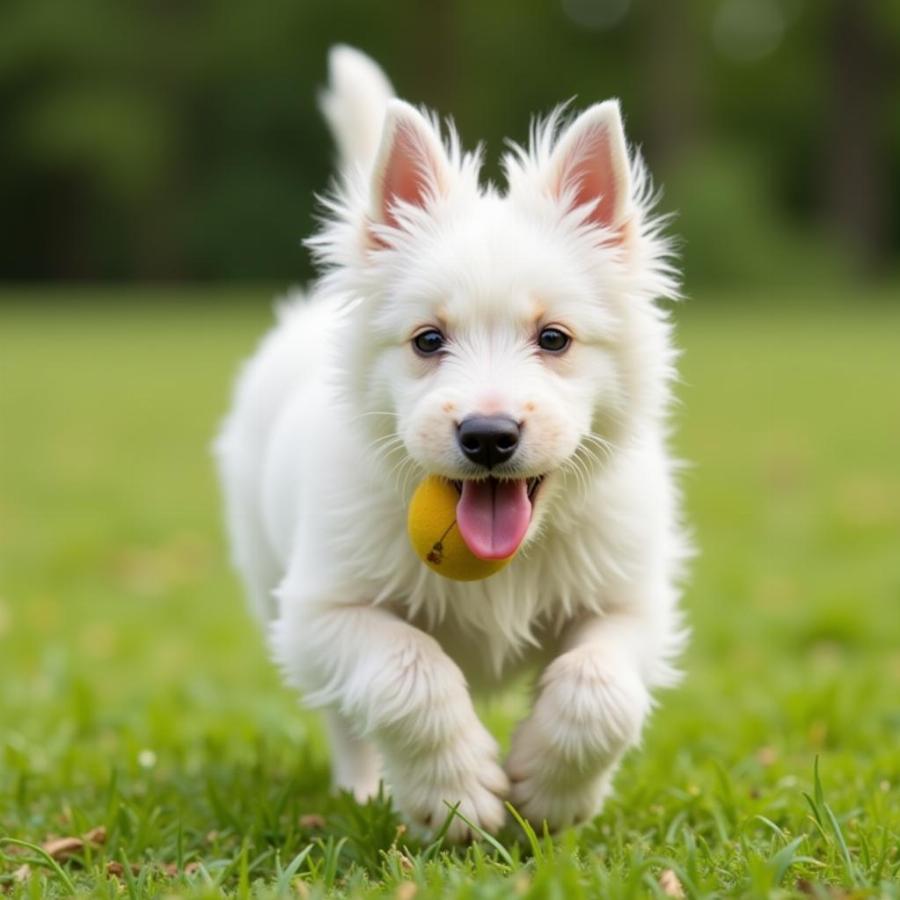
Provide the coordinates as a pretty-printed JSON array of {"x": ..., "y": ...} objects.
[{"x": 435, "y": 535}]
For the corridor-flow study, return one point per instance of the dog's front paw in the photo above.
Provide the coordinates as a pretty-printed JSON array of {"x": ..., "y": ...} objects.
[
  {"x": 466, "y": 772},
  {"x": 563, "y": 755},
  {"x": 559, "y": 803}
]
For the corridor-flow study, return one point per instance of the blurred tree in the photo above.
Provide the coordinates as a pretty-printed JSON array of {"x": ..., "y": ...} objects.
[
  {"x": 670, "y": 60},
  {"x": 856, "y": 174}
]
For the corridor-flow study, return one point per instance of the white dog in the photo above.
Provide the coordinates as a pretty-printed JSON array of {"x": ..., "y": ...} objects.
[{"x": 511, "y": 342}]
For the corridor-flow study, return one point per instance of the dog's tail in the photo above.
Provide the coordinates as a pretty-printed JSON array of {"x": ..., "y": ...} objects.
[{"x": 354, "y": 104}]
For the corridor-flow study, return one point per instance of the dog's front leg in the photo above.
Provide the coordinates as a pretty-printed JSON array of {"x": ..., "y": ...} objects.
[
  {"x": 590, "y": 708},
  {"x": 400, "y": 690}
]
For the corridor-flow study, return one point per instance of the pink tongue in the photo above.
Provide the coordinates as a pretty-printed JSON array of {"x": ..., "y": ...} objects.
[{"x": 493, "y": 516}]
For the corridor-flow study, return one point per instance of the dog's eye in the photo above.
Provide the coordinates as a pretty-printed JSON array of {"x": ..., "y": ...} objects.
[
  {"x": 428, "y": 342},
  {"x": 553, "y": 340}
]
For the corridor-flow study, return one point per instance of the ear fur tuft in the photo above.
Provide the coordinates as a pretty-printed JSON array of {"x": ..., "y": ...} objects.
[
  {"x": 411, "y": 166},
  {"x": 589, "y": 167}
]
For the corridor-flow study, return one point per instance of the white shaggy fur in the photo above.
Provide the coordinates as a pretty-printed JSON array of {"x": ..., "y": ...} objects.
[{"x": 336, "y": 419}]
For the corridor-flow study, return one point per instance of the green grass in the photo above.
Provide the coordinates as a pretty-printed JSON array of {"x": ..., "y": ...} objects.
[{"x": 135, "y": 692}]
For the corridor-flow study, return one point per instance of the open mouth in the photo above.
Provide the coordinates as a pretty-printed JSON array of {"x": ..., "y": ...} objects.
[{"x": 493, "y": 514}]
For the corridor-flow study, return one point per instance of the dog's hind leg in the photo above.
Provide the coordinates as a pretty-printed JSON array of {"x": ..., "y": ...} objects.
[{"x": 355, "y": 764}]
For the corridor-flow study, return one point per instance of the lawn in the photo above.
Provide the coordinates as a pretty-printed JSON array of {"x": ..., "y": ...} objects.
[{"x": 136, "y": 696}]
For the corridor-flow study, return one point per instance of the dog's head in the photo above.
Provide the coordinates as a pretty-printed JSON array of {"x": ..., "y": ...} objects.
[{"x": 507, "y": 341}]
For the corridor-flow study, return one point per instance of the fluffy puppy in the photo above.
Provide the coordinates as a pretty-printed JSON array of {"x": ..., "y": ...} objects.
[{"x": 509, "y": 340}]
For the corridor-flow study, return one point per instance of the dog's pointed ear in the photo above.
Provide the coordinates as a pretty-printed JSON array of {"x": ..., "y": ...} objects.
[
  {"x": 411, "y": 166},
  {"x": 589, "y": 166}
]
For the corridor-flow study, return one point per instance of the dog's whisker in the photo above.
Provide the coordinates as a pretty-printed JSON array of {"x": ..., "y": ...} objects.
[
  {"x": 401, "y": 472},
  {"x": 574, "y": 466},
  {"x": 411, "y": 473},
  {"x": 377, "y": 412},
  {"x": 393, "y": 437},
  {"x": 386, "y": 439},
  {"x": 382, "y": 450},
  {"x": 602, "y": 448},
  {"x": 572, "y": 470},
  {"x": 383, "y": 457},
  {"x": 585, "y": 475},
  {"x": 593, "y": 437}
]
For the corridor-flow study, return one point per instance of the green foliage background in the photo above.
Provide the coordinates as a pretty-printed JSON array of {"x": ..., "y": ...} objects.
[{"x": 180, "y": 139}]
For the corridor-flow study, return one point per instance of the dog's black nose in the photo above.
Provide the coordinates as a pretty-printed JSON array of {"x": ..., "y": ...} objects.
[{"x": 488, "y": 440}]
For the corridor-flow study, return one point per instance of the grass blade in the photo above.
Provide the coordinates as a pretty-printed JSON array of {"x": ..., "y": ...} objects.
[
  {"x": 849, "y": 866},
  {"x": 536, "y": 850},
  {"x": 488, "y": 838},
  {"x": 45, "y": 859}
]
